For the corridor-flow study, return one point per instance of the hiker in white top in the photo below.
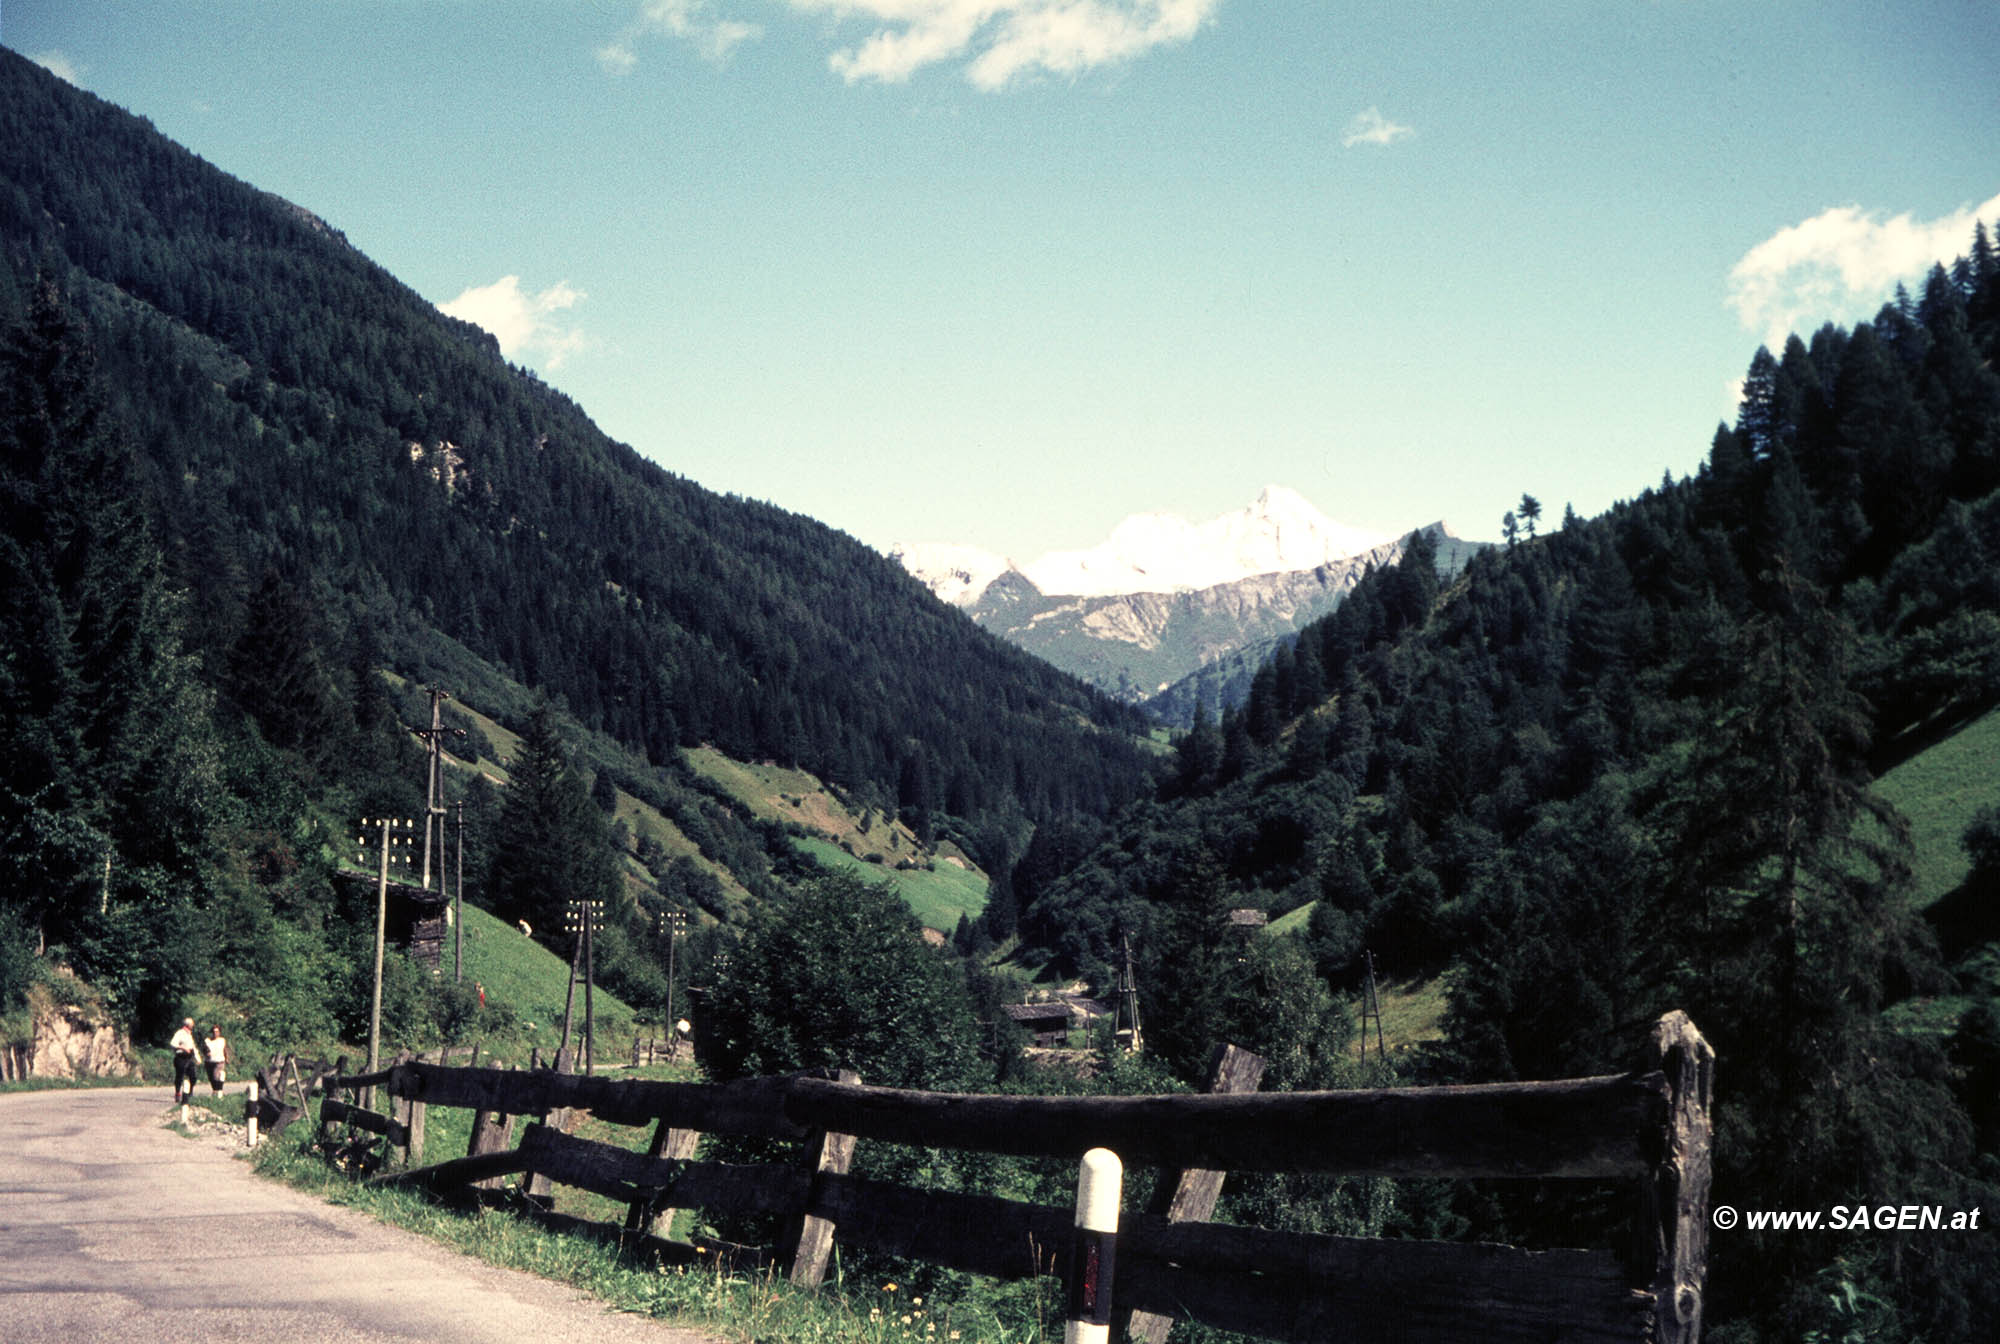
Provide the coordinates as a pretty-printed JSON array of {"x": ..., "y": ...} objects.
[
  {"x": 184, "y": 1049},
  {"x": 217, "y": 1050}
]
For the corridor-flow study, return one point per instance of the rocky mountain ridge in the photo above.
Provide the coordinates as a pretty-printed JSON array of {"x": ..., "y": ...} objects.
[{"x": 1137, "y": 645}]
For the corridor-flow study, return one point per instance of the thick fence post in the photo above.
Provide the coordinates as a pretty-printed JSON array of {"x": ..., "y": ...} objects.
[
  {"x": 538, "y": 1187},
  {"x": 670, "y": 1144},
  {"x": 1189, "y": 1197},
  {"x": 413, "y": 1123},
  {"x": 1093, "y": 1253},
  {"x": 1673, "y": 1228},
  {"x": 809, "y": 1240},
  {"x": 492, "y": 1132},
  {"x": 325, "y": 1084}
]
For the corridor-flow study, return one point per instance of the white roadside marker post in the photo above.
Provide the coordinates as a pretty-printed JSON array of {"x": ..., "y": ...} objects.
[
  {"x": 1093, "y": 1248},
  {"x": 250, "y": 1111}
]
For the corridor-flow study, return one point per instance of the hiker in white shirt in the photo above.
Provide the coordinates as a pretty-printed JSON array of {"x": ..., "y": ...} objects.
[
  {"x": 217, "y": 1050},
  {"x": 185, "y": 1052}
]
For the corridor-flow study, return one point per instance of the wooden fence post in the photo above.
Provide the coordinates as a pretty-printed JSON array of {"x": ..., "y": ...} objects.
[
  {"x": 1673, "y": 1230},
  {"x": 1190, "y": 1196},
  {"x": 539, "y": 1188},
  {"x": 492, "y": 1132},
  {"x": 325, "y": 1084},
  {"x": 809, "y": 1238},
  {"x": 413, "y": 1124},
  {"x": 298, "y": 1087},
  {"x": 673, "y": 1145}
]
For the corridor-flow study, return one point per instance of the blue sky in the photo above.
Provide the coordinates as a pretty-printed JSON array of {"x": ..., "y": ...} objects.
[{"x": 1005, "y": 271}]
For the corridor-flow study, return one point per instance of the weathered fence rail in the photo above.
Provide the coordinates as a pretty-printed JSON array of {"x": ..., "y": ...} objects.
[{"x": 1648, "y": 1130}]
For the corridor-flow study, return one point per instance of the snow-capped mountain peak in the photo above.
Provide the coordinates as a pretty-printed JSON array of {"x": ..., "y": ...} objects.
[
  {"x": 958, "y": 574},
  {"x": 1281, "y": 532},
  {"x": 1162, "y": 553}
]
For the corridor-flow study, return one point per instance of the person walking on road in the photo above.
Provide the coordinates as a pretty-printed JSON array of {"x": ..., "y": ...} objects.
[
  {"x": 217, "y": 1050},
  {"x": 184, "y": 1049}
]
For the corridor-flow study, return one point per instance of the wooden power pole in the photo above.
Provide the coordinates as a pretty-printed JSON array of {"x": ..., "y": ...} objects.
[
  {"x": 458, "y": 905},
  {"x": 434, "y": 778},
  {"x": 1127, "y": 1009},
  {"x": 387, "y": 829},
  {"x": 583, "y": 918},
  {"x": 1371, "y": 1006}
]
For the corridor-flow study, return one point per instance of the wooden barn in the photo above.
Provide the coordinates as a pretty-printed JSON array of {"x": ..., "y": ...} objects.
[
  {"x": 416, "y": 919},
  {"x": 1052, "y": 1020}
]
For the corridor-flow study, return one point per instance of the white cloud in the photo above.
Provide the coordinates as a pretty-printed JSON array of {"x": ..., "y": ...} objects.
[
  {"x": 1372, "y": 128},
  {"x": 617, "y": 58},
  {"x": 1841, "y": 260},
  {"x": 690, "y": 21},
  {"x": 60, "y": 65},
  {"x": 996, "y": 41},
  {"x": 528, "y": 326}
]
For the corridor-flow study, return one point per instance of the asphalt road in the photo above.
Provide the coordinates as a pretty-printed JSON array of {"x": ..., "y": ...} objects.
[{"x": 114, "y": 1228}]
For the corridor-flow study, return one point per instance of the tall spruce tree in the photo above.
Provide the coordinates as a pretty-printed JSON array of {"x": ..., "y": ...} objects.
[
  {"x": 276, "y": 673},
  {"x": 552, "y": 848}
]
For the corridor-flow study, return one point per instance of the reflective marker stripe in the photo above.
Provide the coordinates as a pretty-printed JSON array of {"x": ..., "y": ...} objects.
[{"x": 1092, "y": 1259}]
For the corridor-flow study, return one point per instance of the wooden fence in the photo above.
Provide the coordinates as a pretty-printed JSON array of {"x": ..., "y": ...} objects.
[{"x": 1649, "y": 1131}]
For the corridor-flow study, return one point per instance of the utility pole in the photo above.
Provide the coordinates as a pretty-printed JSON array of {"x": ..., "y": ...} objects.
[
  {"x": 387, "y": 828},
  {"x": 583, "y": 917},
  {"x": 458, "y": 904},
  {"x": 1371, "y": 1006},
  {"x": 675, "y": 924},
  {"x": 434, "y": 777},
  {"x": 1128, "y": 997}
]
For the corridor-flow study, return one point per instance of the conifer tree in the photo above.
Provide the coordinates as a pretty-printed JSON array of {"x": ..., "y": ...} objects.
[
  {"x": 1756, "y": 416},
  {"x": 1530, "y": 510},
  {"x": 552, "y": 847},
  {"x": 276, "y": 674},
  {"x": 1199, "y": 751}
]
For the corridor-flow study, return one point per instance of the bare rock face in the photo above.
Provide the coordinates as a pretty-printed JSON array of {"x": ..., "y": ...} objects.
[{"x": 76, "y": 1041}]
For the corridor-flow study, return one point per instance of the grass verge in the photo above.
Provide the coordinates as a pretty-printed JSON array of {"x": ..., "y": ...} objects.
[{"x": 757, "y": 1308}]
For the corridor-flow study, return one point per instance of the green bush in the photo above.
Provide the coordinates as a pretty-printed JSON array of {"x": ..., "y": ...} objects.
[{"x": 839, "y": 976}]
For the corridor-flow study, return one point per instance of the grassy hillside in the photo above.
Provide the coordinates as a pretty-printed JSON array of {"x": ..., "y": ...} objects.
[
  {"x": 526, "y": 977},
  {"x": 1412, "y": 1011},
  {"x": 938, "y": 884},
  {"x": 937, "y": 898},
  {"x": 1938, "y": 790}
]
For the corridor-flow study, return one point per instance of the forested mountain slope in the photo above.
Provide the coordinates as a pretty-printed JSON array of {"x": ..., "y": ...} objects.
[
  {"x": 1627, "y": 767},
  {"x": 299, "y": 410}
]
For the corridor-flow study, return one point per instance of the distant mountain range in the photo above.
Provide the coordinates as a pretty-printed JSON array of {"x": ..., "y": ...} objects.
[
  {"x": 1280, "y": 532},
  {"x": 1162, "y": 598}
]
